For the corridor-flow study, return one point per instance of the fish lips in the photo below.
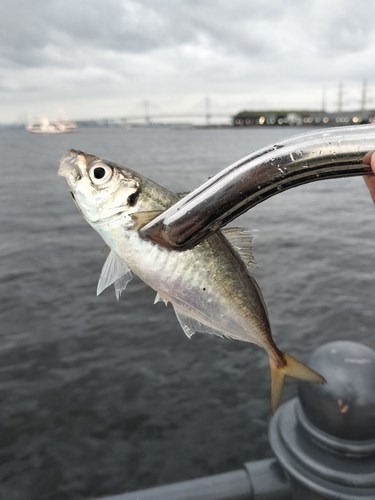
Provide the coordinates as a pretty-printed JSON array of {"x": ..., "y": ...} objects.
[{"x": 72, "y": 167}]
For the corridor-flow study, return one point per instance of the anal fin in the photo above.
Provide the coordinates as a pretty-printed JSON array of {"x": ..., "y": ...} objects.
[
  {"x": 160, "y": 298},
  {"x": 191, "y": 325}
]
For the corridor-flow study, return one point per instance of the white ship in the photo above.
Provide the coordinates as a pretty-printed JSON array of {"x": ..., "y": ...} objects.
[{"x": 46, "y": 126}]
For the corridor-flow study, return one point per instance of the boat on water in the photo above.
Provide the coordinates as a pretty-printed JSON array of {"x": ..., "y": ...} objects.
[{"x": 46, "y": 126}]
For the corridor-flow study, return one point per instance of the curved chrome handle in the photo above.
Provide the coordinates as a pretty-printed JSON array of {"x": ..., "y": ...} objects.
[{"x": 324, "y": 154}]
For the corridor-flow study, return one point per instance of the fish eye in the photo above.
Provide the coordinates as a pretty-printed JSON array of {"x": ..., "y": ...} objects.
[{"x": 100, "y": 174}]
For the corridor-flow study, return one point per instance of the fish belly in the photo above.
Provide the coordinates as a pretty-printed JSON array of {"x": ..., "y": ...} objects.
[{"x": 207, "y": 283}]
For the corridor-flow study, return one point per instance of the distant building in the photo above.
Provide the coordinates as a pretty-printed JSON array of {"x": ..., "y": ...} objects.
[{"x": 301, "y": 117}]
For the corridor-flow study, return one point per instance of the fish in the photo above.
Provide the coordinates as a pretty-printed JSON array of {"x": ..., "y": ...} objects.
[{"x": 209, "y": 286}]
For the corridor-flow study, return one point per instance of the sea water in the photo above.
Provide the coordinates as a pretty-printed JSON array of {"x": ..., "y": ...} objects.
[{"x": 98, "y": 396}]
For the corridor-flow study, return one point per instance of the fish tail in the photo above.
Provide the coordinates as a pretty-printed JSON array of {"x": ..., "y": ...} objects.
[{"x": 285, "y": 365}]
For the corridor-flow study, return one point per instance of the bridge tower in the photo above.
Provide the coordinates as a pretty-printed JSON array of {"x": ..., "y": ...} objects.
[
  {"x": 208, "y": 113},
  {"x": 147, "y": 112}
]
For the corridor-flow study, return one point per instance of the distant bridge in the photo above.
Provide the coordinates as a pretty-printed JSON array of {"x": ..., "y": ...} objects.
[
  {"x": 203, "y": 110},
  {"x": 205, "y": 113},
  {"x": 150, "y": 118}
]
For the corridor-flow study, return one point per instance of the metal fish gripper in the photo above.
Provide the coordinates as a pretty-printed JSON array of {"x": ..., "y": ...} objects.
[{"x": 324, "y": 154}]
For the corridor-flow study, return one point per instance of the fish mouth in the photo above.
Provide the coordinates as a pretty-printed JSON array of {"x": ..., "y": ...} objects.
[{"x": 72, "y": 166}]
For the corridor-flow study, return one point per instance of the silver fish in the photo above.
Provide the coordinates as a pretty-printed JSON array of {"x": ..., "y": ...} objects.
[{"x": 209, "y": 286}]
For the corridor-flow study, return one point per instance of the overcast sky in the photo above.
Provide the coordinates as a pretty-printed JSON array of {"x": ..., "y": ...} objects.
[{"x": 105, "y": 58}]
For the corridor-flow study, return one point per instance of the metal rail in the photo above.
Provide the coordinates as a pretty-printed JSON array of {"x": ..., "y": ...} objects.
[
  {"x": 312, "y": 156},
  {"x": 260, "y": 480}
]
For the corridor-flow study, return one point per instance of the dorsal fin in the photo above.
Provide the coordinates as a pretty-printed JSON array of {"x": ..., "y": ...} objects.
[
  {"x": 241, "y": 240},
  {"x": 115, "y": 270}
]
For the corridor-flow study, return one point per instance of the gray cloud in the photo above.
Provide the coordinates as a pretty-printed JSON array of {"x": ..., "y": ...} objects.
[{"x": 90, "y": 49}]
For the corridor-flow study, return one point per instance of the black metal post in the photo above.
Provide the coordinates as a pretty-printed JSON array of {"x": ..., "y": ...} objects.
[{"x": 324, "y": 441}]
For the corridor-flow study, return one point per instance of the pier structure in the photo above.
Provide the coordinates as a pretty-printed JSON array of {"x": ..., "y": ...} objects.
[{"x": 302, "y": 118}]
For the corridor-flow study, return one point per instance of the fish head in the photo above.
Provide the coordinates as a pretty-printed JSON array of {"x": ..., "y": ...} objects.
[{"x": 102, "y": 190}]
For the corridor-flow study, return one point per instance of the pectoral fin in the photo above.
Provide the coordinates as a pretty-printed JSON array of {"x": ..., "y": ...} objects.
[
  {"x": 115, "y": 270},
  {"x": 142, "y": 218},
  {"x": 182, "y": 194}
]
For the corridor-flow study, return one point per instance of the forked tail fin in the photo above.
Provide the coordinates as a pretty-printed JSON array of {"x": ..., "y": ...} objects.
[{"x": 291, "y": 367}]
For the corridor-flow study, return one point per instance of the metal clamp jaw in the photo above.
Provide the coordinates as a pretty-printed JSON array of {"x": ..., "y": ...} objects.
[{"x": 324, "y": 154}]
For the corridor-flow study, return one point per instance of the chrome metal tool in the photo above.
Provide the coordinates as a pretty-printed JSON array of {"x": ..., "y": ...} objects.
[{"x": 312, "y": 156}]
